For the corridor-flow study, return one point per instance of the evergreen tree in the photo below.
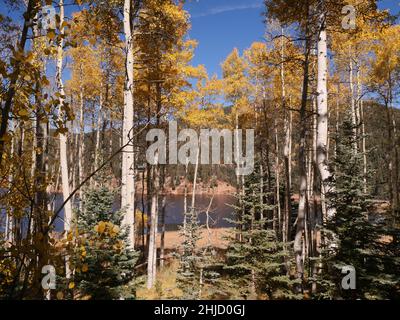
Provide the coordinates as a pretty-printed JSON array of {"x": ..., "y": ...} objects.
[
  {"x": 189, "y": 272},
  {"x": 197, "y": 269},
  {"x": 104, "y": 261},
  {"x": 256, "y": 259},
  {"x": 352, "y": 238}
]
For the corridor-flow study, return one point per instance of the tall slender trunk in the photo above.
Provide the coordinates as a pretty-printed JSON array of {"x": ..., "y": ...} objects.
[
  {"x": 361, "y": 120},
  {"x": 81, "y": 146},
  {"x": 238, "y": 185},
  {"x": 63, "y": 136},
  {"x": 394, "y": 161},
  {"x": 152, "y": 254},
  {"x": 63, "y": 139},
  {"x": 277, "y": 183},
  {"x": 297, "y": 246},
  {"x": 128, "y": 165},
  {"x": 287, "y": 148},
  {"x": 143, "y": 213},
  {"x": 162, "y": 222},
  {"x": 322, "y": 104},
  {"x": 185, "y": 196},
  {"x": 98, "y": 135},
  {"x": 353, "y": 105}
]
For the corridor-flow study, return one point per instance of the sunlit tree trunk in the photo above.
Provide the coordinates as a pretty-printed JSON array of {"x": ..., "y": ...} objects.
[
  {"x": 277, "y": 183},
  {"x": 152, "y": 255},
  {"x": 63, "y": 136},
  {"x": 362, "y": 123},
  {"x": 128, "y": 165},
  {"x": 353, "y": 105},
  {"x": 81, "y": 145},
  {"x": 322, "y": 105},
  {"x": 98, "y": 132},
  {"x": 185, "y": 196}
]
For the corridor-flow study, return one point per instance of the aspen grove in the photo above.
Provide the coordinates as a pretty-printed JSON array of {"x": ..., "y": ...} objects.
[{"x": 129, "y": 171}]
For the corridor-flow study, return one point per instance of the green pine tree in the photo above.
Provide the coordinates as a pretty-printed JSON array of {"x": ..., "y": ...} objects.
[
  {"x": 104, "y": 263},
  {"x": 351, "y": 238},
  {"x": 257, "y": 260},
  {"x": 190, "y": 258}
]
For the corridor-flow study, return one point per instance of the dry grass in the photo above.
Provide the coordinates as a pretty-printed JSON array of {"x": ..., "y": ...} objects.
[
  {"x": 217, "y": 238},
  {"x": 165, "y": 287}
]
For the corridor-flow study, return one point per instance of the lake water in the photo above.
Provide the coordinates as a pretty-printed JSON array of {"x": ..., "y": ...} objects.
[{"x": 220, "y": 210}]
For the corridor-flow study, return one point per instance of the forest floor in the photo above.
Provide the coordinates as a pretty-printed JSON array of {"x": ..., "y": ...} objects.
[
  {"x": 217, "y": 238},
  {"x": 166, "y": 286}
]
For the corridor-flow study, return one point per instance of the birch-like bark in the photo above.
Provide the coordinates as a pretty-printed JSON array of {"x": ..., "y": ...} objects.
[
  {"x": 81, "y": 146},
  {"x": 128, "y": 165},
  {"x": 277, "y": 182},
  {"x": 322, "y": 105},
  {"x": 353, "y": 106},
  {"x": 286, "y": 150},
  {"x": 63, "y": 136},
  {"x": 152, "y": 255},
  {"x": 162, "y": 222},
  {"x": 238, "y": 185},
  {"x": 185, "y": 197},
  {"x": 361, "y": 120},
  {"x": 99, "y": 128}
]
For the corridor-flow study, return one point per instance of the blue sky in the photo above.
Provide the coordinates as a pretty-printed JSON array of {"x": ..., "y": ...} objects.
[{"x": 221, "y": 25}]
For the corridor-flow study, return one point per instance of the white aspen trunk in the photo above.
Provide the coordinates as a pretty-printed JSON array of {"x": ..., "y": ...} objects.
[
  {"x": 358, "y": 99},
  {"x": 128, "y": 165},
  {"x": 337, "y": 119},
  {"x": 238, "y": 186},
  {"x": 81, "y": 146},
  {"x": 185, "y": 196},
  {"x": 277, "y": 181},
  {"x": 63, "y": 136},
  {"x": 63, "y": 140},
  {"x": 316, "y": 221},
  {"x": 287, "y": 146},
  {"x": 74, "y": 154},
  {"x": 353, "y": 105},
  {"x": 208, "y": 218},
  {"x": 196, "y": 169},
  {"x": 360, "y": 109},
  {"x": 322, "y": 104},
  {"x": 99, "y": 124},
  {"x": 364, "y": 146},
  {"x": 162, "y": 239},
  {"x": 237, "y": 151},
  {"x": 152, "y": 254}
]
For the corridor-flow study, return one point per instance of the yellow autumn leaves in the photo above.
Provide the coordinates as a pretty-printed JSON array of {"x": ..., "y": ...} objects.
[{"x": 107, "y": 228}]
